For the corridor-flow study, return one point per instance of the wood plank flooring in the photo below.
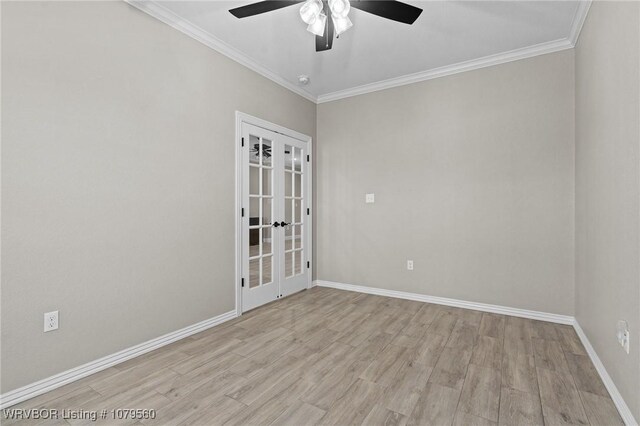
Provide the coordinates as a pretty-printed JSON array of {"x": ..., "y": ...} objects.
[{"x": 331, "y": 357}]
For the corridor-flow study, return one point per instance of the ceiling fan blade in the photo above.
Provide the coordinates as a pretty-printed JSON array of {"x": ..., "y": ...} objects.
[
  {"x": 326, "y": 41},
  {"x": 394, "y": 10},
  {"x": 261, "y": 7}
]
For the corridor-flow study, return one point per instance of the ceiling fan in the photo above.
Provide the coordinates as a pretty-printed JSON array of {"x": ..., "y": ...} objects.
[{"x": 328, "y": 17}]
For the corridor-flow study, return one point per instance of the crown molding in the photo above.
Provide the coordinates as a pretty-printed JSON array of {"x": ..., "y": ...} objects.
[
  {"x": 165, "y": 15},
  {"x": 514, "y": 55},
  {"x": 170, "y": 18},
  {"x": 578, "y": 20},
  {"x": 474, "y": 64}
]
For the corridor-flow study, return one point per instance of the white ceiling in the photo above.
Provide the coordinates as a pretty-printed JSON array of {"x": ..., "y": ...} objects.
[{"x": 449, "y": 36}]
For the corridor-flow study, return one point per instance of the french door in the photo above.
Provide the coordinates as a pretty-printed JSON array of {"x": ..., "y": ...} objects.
[{"x": 274, "y": 224}]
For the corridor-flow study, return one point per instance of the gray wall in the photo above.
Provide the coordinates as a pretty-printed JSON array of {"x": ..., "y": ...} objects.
[
  {"x": 117, "y": 180},
  {"x": 608, "y": 187},
  {"x": 118, "y": 183},
  {"x": 474, "y": 181}
]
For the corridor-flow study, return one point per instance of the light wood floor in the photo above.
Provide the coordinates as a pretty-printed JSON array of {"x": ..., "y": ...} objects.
[{"x": 326, "y": 356}]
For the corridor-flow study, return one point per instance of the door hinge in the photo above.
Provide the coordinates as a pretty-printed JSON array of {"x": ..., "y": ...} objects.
[
  {"x": 307, "y": 158},
  {"x": 242, "y": 211},
  {"x": 308, "y": 265},
  {"x": 243, "y": 282},
  {"x": 307, "y": 211},
  {"x": 242, "y": 141}
]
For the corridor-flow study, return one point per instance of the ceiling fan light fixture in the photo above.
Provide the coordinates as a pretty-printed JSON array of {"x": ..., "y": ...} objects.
[
  {"x": 317, "y": 26},
  {"x": 341, "y": 24},
  {"x": 310, "y": 10},
  {"x": 315, "y": 13},
  {"x": 339, "y": 8}
]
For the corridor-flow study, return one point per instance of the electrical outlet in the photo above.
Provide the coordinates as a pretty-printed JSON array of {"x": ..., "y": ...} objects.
[
  {"x": 50, "y": 321},
  {"x": 623, "y": 335},
  {"x": 370, "y": 198},
  {"x": 410, "y": 265}
]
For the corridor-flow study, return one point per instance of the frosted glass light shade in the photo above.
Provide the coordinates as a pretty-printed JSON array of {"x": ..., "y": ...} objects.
[
  {"x": 310, "y": 10},
  {"x": 341, "y": 24},
  {"x": 340, "y": 8},
  {"x": 317, "y": 26}
]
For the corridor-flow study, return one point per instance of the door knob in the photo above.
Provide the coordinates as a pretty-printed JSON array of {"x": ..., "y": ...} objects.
[
  {"x": 283, "y": 224},
  {"x": 276, "y": 224}
]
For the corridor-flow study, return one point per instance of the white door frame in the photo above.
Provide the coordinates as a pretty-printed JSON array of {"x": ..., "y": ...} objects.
[{"x": 308, "y": 248}]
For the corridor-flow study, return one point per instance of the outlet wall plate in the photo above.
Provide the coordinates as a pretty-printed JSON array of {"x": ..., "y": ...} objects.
[
  {"x": 50, "y": 321},
  {"x": 410, "y": 265},
  {"x": 370, "y": 198}
]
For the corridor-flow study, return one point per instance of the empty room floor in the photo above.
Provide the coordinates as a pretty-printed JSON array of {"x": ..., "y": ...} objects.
[{"x": 326, "y": 356}]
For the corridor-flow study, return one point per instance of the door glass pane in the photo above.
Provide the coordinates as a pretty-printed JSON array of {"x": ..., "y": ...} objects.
[
  {"x": 288, "y": 157},
  {"x": 254, "y": 149},
  {"x": 288, "y": 264},
  {"x": 266, "y": 269},
  {"x": 266, "y": 152},
  {"x": 254, "y": 240},
  {"x": 266, "y": 211},
  {"x": 288, "y": 237},
  {"x": 298, "y": 185},
  {"x": 254, "y": 273},
  {"x": 297, "y": 159},
  {"x": 298, "y": 262},
  {"x": 267, "y": 186},
  {"x": 288, "y": 210},
  {"x": 297, "y": 241},
  {"x": 288, "y": 184},
  {"x": 267, "y": 242},
  {"x": 254, "y": 180},
  {"x": 254, "y": 211},
  {"x": 297, "y": 211}
]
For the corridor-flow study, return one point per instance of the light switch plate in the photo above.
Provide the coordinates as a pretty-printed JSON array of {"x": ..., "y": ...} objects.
[{"x": 370, "y": 198}]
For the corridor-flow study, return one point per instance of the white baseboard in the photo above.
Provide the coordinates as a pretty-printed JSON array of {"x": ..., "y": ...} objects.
[
  {"x": 484, "y": 307},
  {"x": 61, "y": 379},
  {"x": 619, "y": 402},
  {"x": 622, "y": 407},
  {"x": 38, "y": 388}
]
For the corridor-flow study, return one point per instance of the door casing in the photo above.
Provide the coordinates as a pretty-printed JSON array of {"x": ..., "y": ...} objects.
[{"x": 246, "y": 118}]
